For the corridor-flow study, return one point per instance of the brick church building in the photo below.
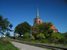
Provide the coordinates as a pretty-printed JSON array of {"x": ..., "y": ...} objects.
[{"x": 38, "y": 21}]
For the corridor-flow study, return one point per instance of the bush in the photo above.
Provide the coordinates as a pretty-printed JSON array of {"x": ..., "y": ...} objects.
[
  {"x": 26, "y": 36},
  {"x": 44, "y": 41},
  {"x": 40, "y": 36}
]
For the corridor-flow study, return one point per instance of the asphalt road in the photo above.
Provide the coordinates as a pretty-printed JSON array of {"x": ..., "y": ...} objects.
[{"x": 26, "y": 47}]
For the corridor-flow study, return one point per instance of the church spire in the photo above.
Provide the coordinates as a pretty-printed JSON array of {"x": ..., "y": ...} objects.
[{"x": 37, "y": 14}]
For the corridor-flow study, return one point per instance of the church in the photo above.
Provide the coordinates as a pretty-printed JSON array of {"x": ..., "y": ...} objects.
[{"x": 38, "y": 21}]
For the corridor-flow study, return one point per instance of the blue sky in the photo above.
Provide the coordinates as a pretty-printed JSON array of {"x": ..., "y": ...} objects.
[{"x": 18, "y": 11}]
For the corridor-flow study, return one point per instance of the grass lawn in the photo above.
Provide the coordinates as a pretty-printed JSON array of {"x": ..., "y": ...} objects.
[{"x": 6, "y": 45}]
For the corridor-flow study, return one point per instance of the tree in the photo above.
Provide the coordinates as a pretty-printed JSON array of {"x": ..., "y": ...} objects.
[
  {"x": 4, "y": 25},
  {"x": 40, "y": 36},
  {"x": 65, "y": 37},
  {"x": 45, "y": 29},
  {"x": 56, "y": 37},
  {"x": 26, "y": 36},
  {"x": 42, "y": 30},
  {"x": 22, "y": 28},
  {"x": 8, "y": 34}
]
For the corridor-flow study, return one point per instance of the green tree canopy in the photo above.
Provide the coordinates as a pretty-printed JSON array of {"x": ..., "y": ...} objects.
[
  {"x": 22, "y": 28},
  {"x": 4, "y": 25},
  {"x": 44, "y": 28},
  {"x": 65, "y": 37},
  {"x": 40, "y": 36},
  {"x": 55, "y": 37}
]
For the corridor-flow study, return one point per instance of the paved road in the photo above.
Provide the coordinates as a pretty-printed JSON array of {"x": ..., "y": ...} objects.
[{"x": 26, "y": 47}]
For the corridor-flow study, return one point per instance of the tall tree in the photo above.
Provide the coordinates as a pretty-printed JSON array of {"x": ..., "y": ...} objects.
[
  {"x": 44, "y": 28},
  {"x": 65, "y": 37},
  {"x": 4, "y": 25},
  {"x": 56, "y": 37},
  {"x": 22, "y": 28}
]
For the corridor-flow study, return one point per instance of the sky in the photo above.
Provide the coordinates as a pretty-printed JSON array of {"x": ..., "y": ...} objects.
[{"x": 18, "y": 11}]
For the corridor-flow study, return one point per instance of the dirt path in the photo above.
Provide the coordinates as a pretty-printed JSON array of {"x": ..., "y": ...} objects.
[{"x": 26, "y": 47}]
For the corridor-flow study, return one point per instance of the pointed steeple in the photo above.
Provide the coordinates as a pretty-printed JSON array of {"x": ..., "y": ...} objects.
[
  {"x": 37, "y": 20},
  {"x": 37, "y": 14}
]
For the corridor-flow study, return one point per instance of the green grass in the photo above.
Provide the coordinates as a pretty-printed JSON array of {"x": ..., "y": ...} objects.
[{"x": 6, "y": 45}]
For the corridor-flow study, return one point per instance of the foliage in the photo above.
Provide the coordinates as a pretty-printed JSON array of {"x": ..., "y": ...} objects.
[
  {"x": 41, "y": 33},
  {"x": 44, "y": 29},
  {"x": 65, "y": 37},
  {"x": 5, "y": 25},
  {"x": 55, "y": 37},
  {"x": 22, "y": 28},
  {"x": 40, "y": 36},
  {"x": 6, "y": 45},
  {"x": 8, "y": 34},
  {"x": 45, "y": 41},
  {"x": 26, "y": 36}
]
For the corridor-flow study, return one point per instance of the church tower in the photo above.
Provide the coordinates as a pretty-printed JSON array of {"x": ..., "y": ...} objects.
[{"x": 37, "y": 20}]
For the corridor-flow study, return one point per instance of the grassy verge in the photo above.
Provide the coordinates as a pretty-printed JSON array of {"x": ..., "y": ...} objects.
[
  {"x": 48, "y": 46},
  {"x": 42, "y": 42},
  {"x": 6, "y": 45}
]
